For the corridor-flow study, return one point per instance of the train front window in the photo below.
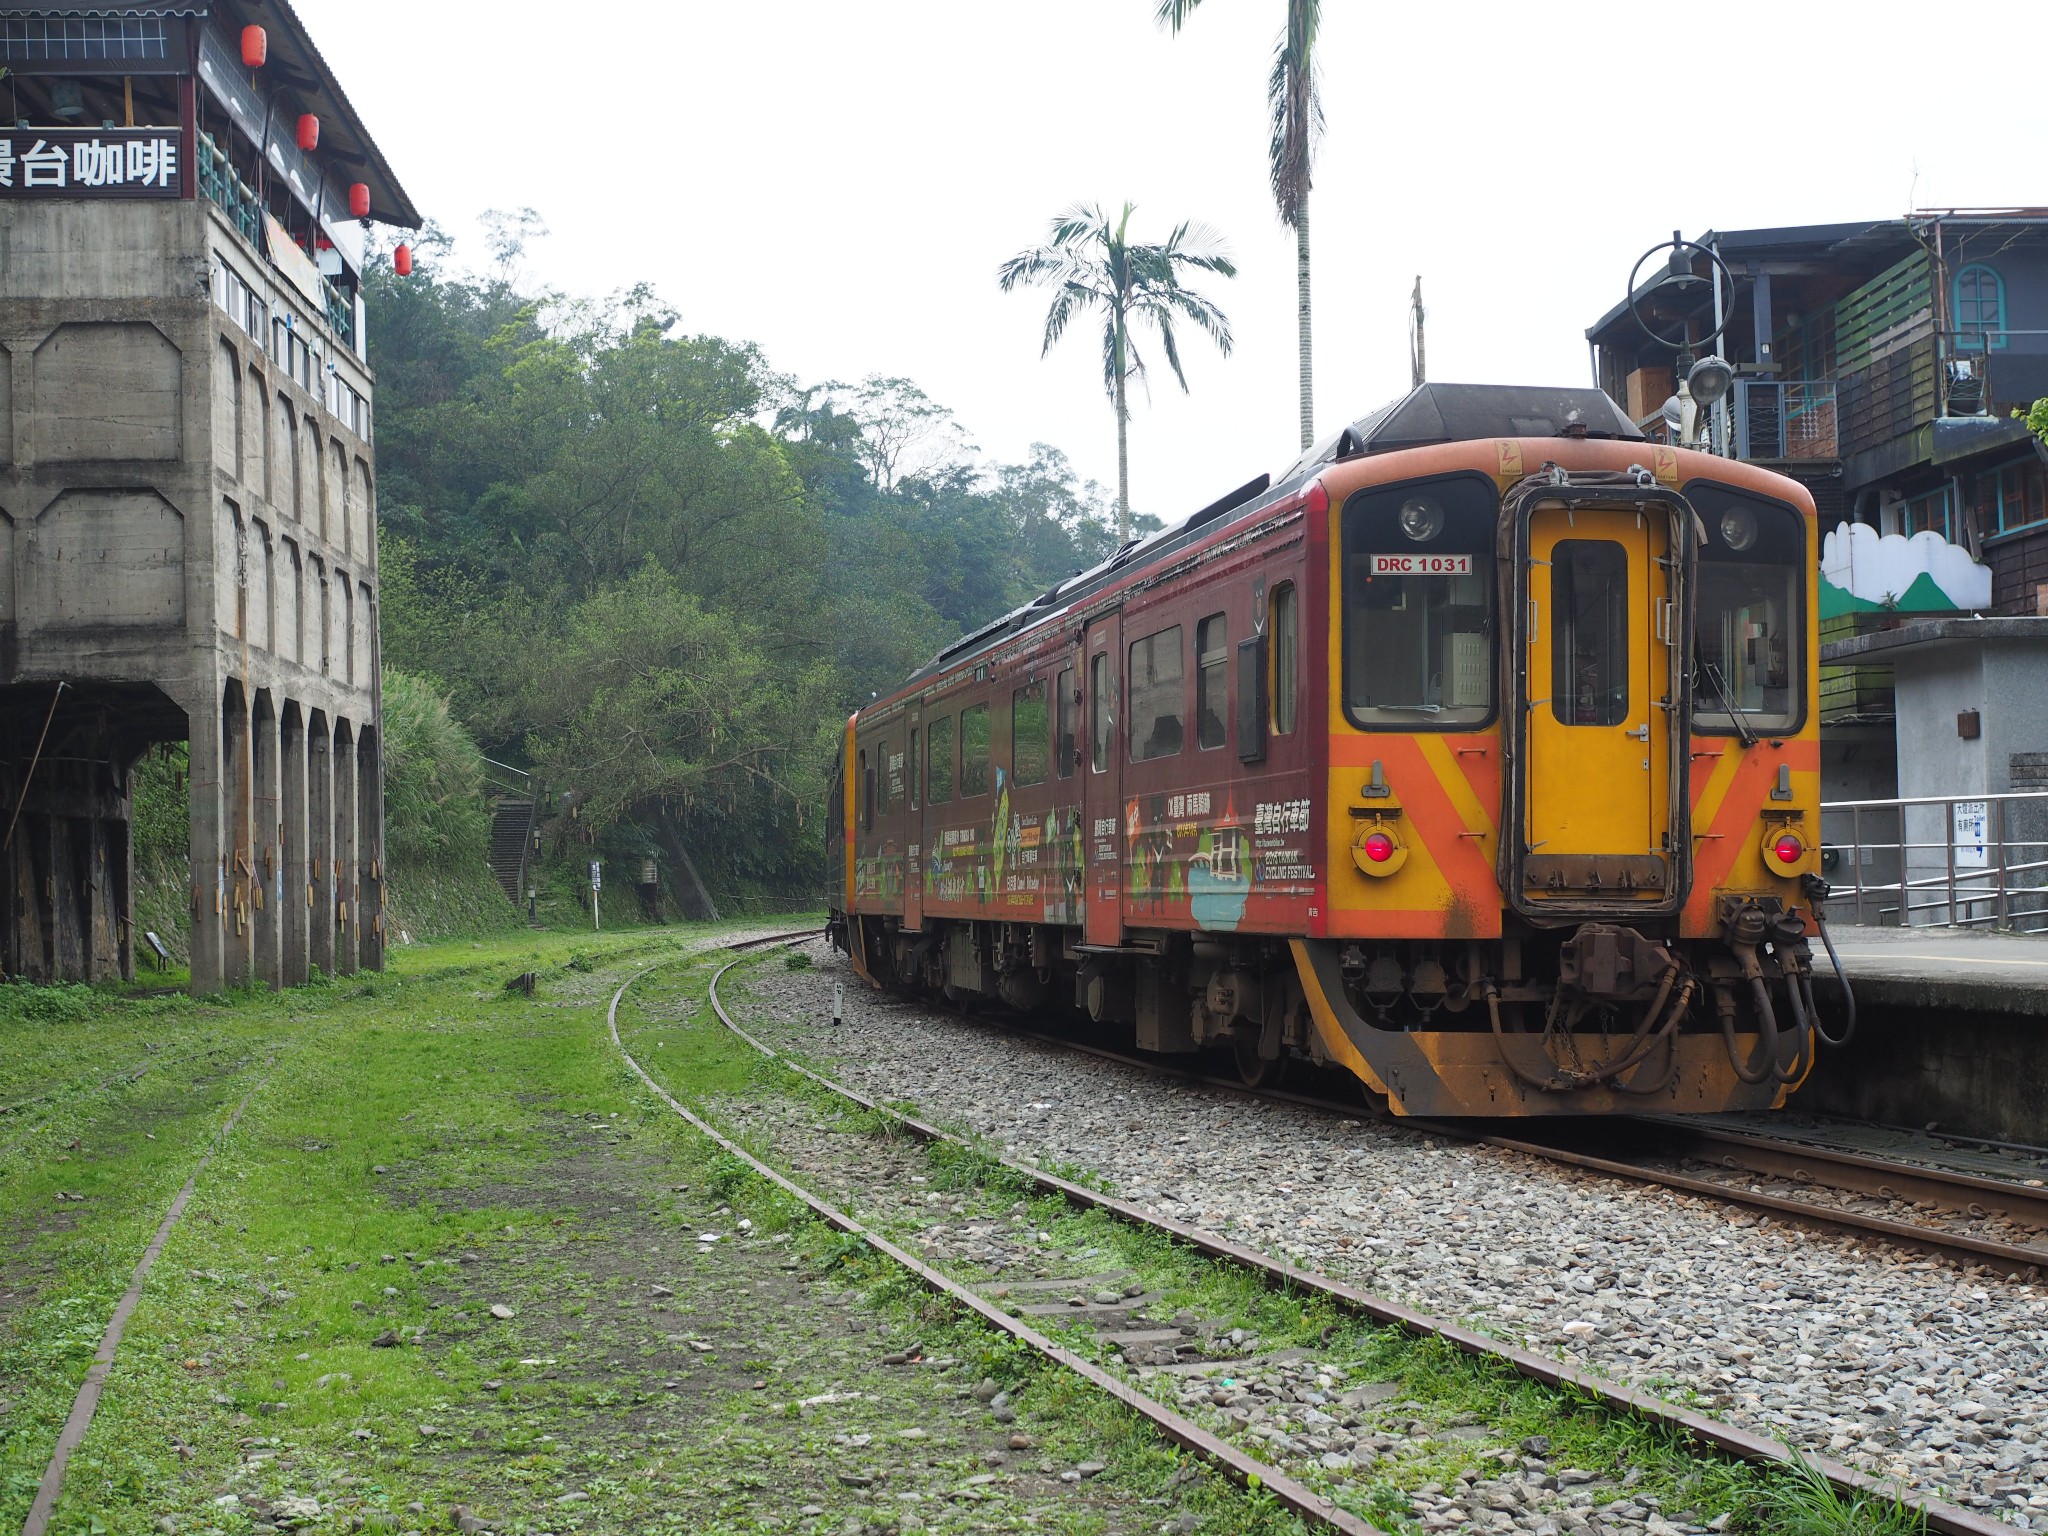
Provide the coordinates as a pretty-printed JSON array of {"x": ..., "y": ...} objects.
[
  {"x": 1749, "y": 639},
  {"x": 1419, "y": 604}
]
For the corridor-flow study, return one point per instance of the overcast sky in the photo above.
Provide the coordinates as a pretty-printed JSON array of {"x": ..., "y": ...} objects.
[{"x": 837, "y": 182}]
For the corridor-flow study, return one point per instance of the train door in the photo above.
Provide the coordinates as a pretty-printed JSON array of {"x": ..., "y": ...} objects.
[
  {"x": 917, "y": 834},
  {"x": 1603, "y": 706},
  {"x": 1103, "y": 799}
]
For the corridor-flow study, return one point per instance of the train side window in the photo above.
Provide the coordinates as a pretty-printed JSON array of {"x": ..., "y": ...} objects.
[
  {"x": 1066, "y": 708},
  {"x": 974, "y": 750},
  {"x": 1589, "y": 632},
  {"x": 1212, "y": 680},
  {"x": 1100, "y": 726},
  {"x": 1285, "y": 676},
  {"x": 914, "y": 760},
  {"x": 1156, "y": 696},
  {"x": 939, "y": 779},
  {"x": 1028, "y": 726},
  {"x": 867, "y": 792}
]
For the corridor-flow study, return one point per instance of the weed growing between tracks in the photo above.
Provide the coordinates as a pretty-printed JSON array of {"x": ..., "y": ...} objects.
[{"x": 1451, "y": 1415}]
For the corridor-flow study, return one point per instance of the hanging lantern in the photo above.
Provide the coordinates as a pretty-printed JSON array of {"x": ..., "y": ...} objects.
[
  {"x": 359, "y": 201},
  {"x": 309, "y": 132},
  {"x": 255, "y": 46},
  {"x": 401, "y": 261}
]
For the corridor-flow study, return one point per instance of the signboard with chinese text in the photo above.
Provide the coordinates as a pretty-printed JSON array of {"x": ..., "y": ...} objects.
[
  {"x": 1972, "y": 820},
  {"x": 1422, "y": 565},
  {"x": 94, "y": 162}
]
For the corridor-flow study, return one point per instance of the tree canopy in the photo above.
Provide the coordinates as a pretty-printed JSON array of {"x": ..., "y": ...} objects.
[{"x": 644, "y": 563}]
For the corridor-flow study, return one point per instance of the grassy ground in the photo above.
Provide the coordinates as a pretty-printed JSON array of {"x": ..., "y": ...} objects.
[{"x": 449, "y": 1271}]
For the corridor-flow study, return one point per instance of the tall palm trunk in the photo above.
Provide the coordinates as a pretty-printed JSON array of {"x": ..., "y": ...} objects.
[
  {"x": 1302, "y": 317},
  {"x": 1123, "y": 443}
]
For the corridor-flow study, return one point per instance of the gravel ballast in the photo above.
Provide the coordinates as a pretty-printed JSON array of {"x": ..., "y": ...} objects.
[{"x": 1908, "y": 1367}]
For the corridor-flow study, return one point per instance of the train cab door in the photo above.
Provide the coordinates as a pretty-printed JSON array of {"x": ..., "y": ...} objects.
[
  {"x": 1102, "y": 800},
  {"x": 1603, "y": 809},
  {"x": 915, "y": 838}
]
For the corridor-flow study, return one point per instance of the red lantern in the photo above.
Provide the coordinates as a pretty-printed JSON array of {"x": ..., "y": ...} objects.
[
  {"x": 359, "y": 201},
  {"x": 401, "y": 261},
  {"x": 309, "y": 133},
  {"x": 255, "y": 46}
]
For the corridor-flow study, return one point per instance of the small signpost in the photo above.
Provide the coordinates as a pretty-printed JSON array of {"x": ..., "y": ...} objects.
[
  {"x": 596, "y": 885},
  {"x": 1972, "y": 836},
  {"x": 163, "y": 956}
]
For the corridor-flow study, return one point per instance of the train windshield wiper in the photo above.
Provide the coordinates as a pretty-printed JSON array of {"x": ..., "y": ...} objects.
[
  {"x": 1743, "y": 728},
  {"x": 1412, "y": 709}
]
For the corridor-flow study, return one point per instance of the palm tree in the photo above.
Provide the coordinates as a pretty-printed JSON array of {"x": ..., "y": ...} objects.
[
  {"x": 1295, "y": 98},
  {"x": 1091, "y": 263}
]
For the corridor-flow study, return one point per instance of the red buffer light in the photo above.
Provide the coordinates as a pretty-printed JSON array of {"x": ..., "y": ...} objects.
[
  {"x": 309, "y": 132},
  {"x": 1788, "y": 849},
  {"x": 255, "y": 47},
  {"x": 1379, "y": 847},
  {"x": 401, "y": 261},
  {"x": 358, "y": 201}
]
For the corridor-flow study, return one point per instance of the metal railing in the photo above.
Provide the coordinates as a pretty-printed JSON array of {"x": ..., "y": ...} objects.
[
  {"x": 1964, "y": 861},
  {"x": 504, "y": 776},
  {"x": 1785, "y": 419}
]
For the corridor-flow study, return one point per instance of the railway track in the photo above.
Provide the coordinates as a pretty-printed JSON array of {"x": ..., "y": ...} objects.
[
  {"x": 1653, "y": 1150},
  {"x": 1707, "y": 1434}
]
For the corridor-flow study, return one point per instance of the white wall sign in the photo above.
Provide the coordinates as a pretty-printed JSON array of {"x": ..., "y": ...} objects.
[{"x": 1972, "y": 833}]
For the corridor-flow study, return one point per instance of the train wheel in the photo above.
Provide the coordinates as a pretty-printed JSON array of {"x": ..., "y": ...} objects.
[{"x": 1254, "y": 1070}]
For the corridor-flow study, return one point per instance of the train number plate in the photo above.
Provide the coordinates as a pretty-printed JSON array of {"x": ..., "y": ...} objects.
[{"x": 1422, "y": 565}]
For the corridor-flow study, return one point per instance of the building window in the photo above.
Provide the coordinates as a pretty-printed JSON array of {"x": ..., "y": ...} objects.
[
  {"x": 2016, "y": 495},
  {"x": 1028, "y": 726},
  {"x": 1212, "y": 680},
  {"x": 1927, "y": 513},
  {"x": 1979, "y": 308},
  {"x": 1155, "y": 693},
  {"x": 1285, "y": 687}
]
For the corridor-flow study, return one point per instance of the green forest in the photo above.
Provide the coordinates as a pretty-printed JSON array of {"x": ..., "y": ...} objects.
[{"x": 647, "y": 566}]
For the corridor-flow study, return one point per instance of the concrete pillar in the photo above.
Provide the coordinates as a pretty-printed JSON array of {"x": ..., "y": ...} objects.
[
  {"x": 238, "y": 929},
  {"x": 293, "y": 840},
  {"x": 266, "y": 798},
  {"x": 209, "y": 843},
  {"x": 370, "y": 851},
  {"x": 347, "y": 956},
  {"x": 320, "y": 842}
]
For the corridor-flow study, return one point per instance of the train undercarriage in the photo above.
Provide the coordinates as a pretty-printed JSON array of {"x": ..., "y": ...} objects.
[{"x": 1599, "y": 1018}]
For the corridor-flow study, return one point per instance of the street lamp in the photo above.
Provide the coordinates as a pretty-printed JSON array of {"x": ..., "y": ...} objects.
[{"x": 1704, "y": 382}]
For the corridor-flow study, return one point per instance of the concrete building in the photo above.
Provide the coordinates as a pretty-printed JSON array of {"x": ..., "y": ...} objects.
[{"x": 188, "y": 531}]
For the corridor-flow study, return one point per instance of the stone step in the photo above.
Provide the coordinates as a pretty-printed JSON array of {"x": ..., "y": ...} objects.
[{"x": 1138, "y": 1336}]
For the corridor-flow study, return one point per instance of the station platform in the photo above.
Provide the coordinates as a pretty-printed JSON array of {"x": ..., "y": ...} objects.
[
  {"x": 1952, "y": 1031},
  {"x": 1943, "y": 968}
]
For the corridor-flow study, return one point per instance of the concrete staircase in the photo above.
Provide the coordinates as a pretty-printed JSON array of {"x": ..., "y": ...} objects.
[{"x": 511, "y": 833}]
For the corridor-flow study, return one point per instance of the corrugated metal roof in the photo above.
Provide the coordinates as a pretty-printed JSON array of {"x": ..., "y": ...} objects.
[{"x": 389, "y": 202}]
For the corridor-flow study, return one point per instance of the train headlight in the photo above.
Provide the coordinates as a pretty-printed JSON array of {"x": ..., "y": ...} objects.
[
  {"x": 1738, "y": 528},
  {"x": 1421, "y": 519},
  {"x": 1377, "y": 850},
  {"x": 1784, "y": 851}
]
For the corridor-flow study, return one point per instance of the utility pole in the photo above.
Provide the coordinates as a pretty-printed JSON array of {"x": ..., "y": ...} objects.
[{"x": 1417, "y": 360}]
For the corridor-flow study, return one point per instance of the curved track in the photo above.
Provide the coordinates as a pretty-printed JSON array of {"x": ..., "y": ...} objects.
[{"x": 1709, "y": 1434}]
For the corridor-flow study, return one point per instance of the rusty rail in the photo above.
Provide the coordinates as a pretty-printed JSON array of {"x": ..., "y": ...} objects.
[
  {"x": 1698, "y": 1429},
  {"x": 1245, "y": 1470}
]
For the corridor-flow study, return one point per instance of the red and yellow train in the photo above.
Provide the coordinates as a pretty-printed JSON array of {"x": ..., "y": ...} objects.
[{"x": 1478, "y": 755}]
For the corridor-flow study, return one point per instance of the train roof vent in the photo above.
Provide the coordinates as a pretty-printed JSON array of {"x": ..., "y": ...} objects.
[{"x": 1457, "y": 413}]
